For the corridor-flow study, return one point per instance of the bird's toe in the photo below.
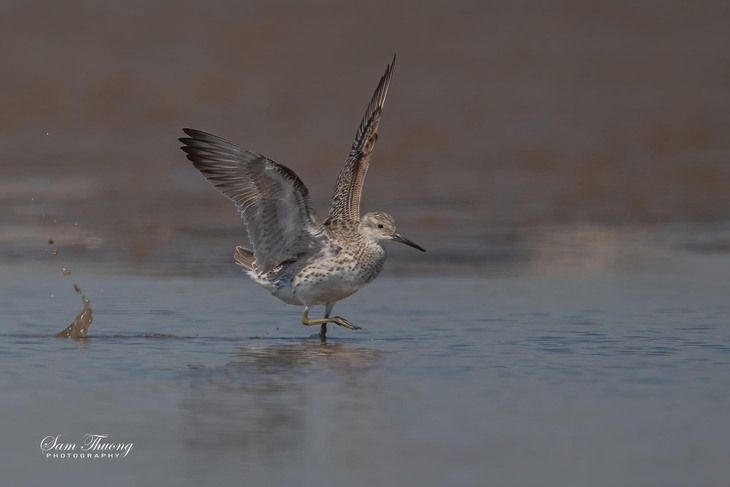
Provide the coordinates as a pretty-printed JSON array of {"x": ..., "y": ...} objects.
[{"x": 345, "y": 323}]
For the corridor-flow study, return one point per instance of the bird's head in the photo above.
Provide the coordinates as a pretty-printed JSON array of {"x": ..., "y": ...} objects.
[{"x": 380, "y": 227}]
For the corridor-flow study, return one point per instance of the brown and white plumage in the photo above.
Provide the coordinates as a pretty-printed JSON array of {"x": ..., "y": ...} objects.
[
  {"x": 345, "y": 203},
  {"x": 295, "y": 255}
]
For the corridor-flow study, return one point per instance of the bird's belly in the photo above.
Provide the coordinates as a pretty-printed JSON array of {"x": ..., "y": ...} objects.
[
  {"x": 327, "y": 282},
  {"x": 286, "y": 295},
  {"x": 324, "y": 280},
  {"x": 309, "y": 292}
]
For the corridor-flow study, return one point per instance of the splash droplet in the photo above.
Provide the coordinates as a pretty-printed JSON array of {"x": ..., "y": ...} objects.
[{"x": 80, "y": 326}]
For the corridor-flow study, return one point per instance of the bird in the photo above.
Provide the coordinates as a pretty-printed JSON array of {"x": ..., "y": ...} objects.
[{"x": 297, "y": 256}]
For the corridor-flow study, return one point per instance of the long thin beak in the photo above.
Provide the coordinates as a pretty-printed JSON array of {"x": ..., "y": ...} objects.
[{"x": 400, "y": 238}]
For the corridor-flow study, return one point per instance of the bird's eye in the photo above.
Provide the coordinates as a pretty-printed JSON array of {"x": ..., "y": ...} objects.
[{"x": 380, "y": 225}]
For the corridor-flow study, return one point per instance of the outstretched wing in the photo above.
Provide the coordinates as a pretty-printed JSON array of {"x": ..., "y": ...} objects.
[
  {"x": 274, "y": 203},
  {"x": 345, "y": 202}
]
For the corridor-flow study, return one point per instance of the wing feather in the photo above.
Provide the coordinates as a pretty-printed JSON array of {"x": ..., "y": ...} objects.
[
  {"x": 345, "y": 203},
  {"x": 274, "y": 203}
]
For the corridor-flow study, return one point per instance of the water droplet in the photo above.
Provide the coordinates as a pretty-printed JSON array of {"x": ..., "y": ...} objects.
[
  {"x": 66, "y": 272},
  {"x": 80, "y": 326}
]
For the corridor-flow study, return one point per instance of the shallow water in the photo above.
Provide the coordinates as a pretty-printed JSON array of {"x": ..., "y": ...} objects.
[{"x": 613, "y": 378}]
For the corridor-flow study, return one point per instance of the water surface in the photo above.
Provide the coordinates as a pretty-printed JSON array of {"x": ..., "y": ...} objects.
[{"x": 621, "y": 378}]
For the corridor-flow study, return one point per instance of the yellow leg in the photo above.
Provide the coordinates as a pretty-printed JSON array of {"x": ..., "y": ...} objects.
[{"x": 335, "y": 319}]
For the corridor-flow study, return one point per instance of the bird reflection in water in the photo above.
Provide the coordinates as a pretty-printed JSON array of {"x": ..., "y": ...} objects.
[{"x": 272, "y": 405}]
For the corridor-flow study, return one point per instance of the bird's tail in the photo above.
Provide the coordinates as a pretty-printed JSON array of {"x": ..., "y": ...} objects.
[{"x": 244, "y": 258}]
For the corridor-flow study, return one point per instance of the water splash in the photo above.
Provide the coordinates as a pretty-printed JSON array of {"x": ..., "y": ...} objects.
[{"x": 80, "y": 326}]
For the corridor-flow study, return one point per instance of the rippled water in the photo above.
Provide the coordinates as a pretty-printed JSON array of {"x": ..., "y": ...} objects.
[{"x": 613, "y": 378}]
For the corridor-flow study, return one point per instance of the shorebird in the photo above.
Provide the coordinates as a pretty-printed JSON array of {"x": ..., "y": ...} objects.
[{"x": 298, "y": 257}]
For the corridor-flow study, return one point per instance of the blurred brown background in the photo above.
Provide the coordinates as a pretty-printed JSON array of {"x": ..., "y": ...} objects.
[{"x": 503, "y": 117}]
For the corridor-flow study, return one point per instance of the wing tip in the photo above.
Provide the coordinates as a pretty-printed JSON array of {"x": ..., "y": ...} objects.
[
  {"x": 191, "y": 132},
  {"x": 192, "y": 136}
]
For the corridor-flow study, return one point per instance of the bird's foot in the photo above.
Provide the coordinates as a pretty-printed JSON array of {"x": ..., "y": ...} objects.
[
  {"x": 323, "y": 321},
  {"x": 345, "y": 323}
]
